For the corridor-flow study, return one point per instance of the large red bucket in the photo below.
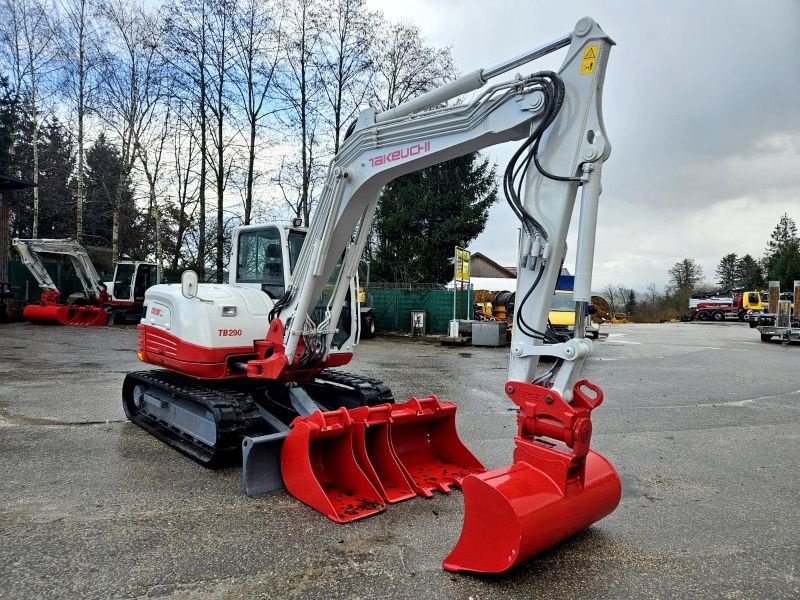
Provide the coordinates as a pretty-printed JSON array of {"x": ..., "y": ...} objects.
[
  {"x": 44, "y": 314},
  {"x": 556, "y": 487},
  {"x": 319, "y": 468},
  {"x": 375, "y": 455},
  {"x": 424, "y": 437}
]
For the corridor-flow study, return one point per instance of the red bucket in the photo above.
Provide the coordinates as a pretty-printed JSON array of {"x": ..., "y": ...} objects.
[
  {"x": 319, "y": 468},
  {"x": 424, "y": 437},
  {"x": 375, "y": 455},
  {"x": 44, "y": 314},
  {"x": 63, "y": 314},
  {"x": 556, "y": 487},
  {"x": 87, "y": 316}
]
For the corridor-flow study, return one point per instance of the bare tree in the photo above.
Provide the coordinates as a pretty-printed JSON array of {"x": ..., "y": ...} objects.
[
  {"x": 149, "y": 146},
  {"x": 187, "y": 52},
  {"x": 27, "y": 32},
  {"x": 131, "y": 88},
  {"x": 256, "y": 40},
  {"x": 406, "y": 67},
  {"x": 219, "y": 66},
  {"x": 347, "y": 61},
  {"x": 616, "y": 295},
  {"x": 299, "y": 89},
  {"x": 185, "y": 156},
  {"x": 78, "y": 45}
]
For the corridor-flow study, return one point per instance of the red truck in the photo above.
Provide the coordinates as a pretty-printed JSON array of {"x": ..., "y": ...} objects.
[{"x": 739, "y": 307}]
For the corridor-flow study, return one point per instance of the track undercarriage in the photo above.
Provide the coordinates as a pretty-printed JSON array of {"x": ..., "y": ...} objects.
[{"x": 207, "y": 420}]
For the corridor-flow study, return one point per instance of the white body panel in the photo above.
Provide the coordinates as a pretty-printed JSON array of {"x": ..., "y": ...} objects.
[{"x": 201, "y": 321}]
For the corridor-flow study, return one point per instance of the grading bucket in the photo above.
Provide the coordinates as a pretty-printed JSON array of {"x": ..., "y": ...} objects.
[
  {"x": 556, "y": 487},
  {"x": 375, "y": 455},
  {"x": 320, "y": 468},
  {"x": 424, "y": 437}
]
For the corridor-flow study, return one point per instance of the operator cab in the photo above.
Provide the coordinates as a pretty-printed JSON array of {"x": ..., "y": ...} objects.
[
  {"x": 131, "y": 280},
  {"x": 258, "y": 256},
  {"x": 264, "y": 257}
]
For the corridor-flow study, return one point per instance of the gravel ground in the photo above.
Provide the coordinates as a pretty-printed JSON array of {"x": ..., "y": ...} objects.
[{"x": 701, "y": 421}]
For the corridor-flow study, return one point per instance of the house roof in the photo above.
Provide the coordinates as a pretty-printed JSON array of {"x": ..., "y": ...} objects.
[{"x": 508, "y": 272}]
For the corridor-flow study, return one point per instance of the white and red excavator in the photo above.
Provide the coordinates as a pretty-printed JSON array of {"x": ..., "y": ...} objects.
[
  {"x": 250, "y": 371},
  {"x": 97, "y": 305}
]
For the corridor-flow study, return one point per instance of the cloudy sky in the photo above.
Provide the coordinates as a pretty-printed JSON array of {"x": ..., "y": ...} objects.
[{"x": 702, "y": 107}]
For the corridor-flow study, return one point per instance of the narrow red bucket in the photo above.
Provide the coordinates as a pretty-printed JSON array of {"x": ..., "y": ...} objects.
[
  {"x": 375, "y": 455},
  {"x": 424, "y": 437},
  {"x": 319, "y": 468},
  {"x": 556, "y": 487}
]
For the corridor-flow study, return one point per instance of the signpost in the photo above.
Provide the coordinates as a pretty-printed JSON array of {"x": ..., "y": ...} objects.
[{"x": 461, "y": 275}]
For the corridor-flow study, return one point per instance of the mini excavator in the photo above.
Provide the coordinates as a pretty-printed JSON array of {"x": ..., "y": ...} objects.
[
  {"x": 249, "y": 371},
  {"x": 98, "y": 306}
]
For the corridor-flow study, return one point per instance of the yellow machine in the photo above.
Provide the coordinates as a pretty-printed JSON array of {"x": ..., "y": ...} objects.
[{"x": 562, "y": 315}]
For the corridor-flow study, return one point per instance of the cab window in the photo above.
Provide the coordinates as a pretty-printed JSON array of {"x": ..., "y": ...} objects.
[
  {"x": 260, "y": 260},
  {"x": 123, "y": 280}
]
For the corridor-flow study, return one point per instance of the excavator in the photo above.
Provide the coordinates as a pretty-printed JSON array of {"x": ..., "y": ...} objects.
[
  {"x": 96, "y": 306},
  {"x": 249, "y": 373}
]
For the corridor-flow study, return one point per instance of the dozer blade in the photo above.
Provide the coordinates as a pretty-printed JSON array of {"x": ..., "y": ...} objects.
[
  {"x": 424, "y": 437},
  {"x": 261, "y": 455},
  {"x": 375, "y": 455},
  {"x": 320, "y": 468},
  {"x": 556, "y": 487},
  {"x": 261, "y": 463}
]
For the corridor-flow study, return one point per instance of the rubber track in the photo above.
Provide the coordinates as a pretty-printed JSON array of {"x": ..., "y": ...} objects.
[
  {"x": 233, "y": 408},
  {"x": 373, "y": 391}
]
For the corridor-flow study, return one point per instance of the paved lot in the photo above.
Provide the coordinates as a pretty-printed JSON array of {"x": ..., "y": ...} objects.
[{"x": 701, "y": 420}]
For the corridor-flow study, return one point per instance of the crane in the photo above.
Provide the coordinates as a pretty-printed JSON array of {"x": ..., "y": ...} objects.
[{"x": 342, "y": 446}]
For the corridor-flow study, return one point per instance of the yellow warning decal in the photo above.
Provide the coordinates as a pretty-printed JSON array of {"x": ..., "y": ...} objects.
[{"x": 589, "y": 59}]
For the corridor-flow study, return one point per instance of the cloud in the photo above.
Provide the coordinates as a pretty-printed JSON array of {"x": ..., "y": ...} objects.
[{"x": 701, "y": 107}]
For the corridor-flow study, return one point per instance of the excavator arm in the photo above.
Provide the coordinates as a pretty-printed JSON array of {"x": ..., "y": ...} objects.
[
  {"x": 559, "y": 117},
  {"x": 31, "y": 249}
]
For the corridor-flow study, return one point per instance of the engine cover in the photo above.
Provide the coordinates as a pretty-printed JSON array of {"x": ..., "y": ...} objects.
[{"x": 198, "y": 336}]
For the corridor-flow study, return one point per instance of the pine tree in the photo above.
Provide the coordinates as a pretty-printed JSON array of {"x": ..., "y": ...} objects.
[
  {"x": 727, "y": 275},
  {"x": 422, "y": 216},
  {"x": 103, "y": 167},
  {"x": 630, "y": 303},
  {"x": 749, "y": 273},
  {"x": 782, "y": 259},
  {"x": 56, "y": 165}
]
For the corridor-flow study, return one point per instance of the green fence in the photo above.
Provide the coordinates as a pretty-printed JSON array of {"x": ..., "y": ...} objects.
[{"x": 393, "y": 308}]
